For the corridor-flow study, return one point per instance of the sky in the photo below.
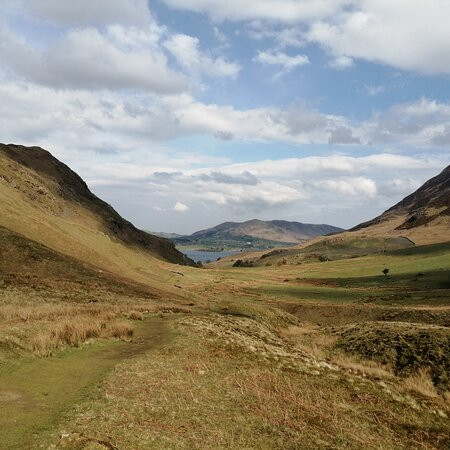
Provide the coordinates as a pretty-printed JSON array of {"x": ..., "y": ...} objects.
[{"x": 183, "y": 114}]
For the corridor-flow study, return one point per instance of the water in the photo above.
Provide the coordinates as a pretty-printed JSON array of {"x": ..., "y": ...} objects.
[{"x": 202, "y": 256}]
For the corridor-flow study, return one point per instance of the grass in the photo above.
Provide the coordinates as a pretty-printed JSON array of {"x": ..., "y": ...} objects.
[
  {"x": 422, "y": 383},
  {"x": 200, "y": 390},
  {"x": 316, "y": 293},
  {"x": 36, "y": 393},
  {"x": 75, "y": 332},
  {"x": 407, "y": 348}
]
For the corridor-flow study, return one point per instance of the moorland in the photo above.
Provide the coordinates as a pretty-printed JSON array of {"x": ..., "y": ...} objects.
[{"x": 111, "y": 338}]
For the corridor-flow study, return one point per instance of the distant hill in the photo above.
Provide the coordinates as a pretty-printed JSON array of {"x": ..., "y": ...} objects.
[
  {"x": 257, "y": 233},
  {"x": 165, "y": 235},
  {"x": 45, "y": 201},
  {"x": 421, "y": 218},
  {"x": 428, "y": 207}
]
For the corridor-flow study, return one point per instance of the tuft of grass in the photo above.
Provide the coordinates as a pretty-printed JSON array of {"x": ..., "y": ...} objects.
[
  {"x": 120, "y": 330},
  {"x": 366, "y": 367},
  {"x": 135, "y": 315},
  {"x": 421, "y": 383},
  {"x": 308, "y": 338},
  {"x": 75, "y": 332},
  {"x": 72, "y": 333}
]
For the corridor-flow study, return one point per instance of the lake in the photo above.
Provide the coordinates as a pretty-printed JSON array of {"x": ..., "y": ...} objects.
[{"x": 202, "y": 256}]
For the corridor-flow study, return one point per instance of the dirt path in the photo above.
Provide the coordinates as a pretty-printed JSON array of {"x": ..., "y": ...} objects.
[{"x": 36, "y": 393}]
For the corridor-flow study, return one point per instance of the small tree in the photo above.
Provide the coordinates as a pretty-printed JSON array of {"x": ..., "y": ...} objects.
[{"x": 385, "y": 271}]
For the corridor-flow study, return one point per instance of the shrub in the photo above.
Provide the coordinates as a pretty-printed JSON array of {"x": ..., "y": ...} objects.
[{"x": 243, "y": 263}]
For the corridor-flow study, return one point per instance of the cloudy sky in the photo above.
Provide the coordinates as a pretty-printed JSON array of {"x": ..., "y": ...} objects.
[{"x": 186, "y": 113}]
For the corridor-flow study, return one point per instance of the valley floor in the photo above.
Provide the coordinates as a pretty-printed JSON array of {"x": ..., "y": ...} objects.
[{"x": 319, "y": 355}]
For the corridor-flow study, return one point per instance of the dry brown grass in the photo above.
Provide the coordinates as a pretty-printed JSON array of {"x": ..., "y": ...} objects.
[
  {"x": 311, "y": 340},
  {"x": 365, "y": 367},
  {"x": 72, "y": 333},
  {"x": 75, "y": 332},
  {"x": 421, "y": 383},
  {"x": 308, "y": 338},
  {"x": 47, "y": 327},
  {"x": 120, "y": 329},
  {"x": 198, "y": 391},
  {"x": 135, "y": 315},
  {"x": 51, "y": 311}
]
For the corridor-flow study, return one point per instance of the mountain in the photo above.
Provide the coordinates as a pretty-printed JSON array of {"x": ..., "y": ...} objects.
[
  {"x": 163, "y": 234},
  {"x": 44, "y": 201},
  {"x": 426, "y": 210},
  {"x": 258, "y": 232}
]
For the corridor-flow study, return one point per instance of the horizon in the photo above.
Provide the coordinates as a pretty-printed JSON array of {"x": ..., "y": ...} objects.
[{"x": 185, "y": 115}]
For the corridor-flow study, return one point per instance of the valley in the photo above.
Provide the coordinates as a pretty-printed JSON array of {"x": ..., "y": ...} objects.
[{"x": 112, "y": 339}]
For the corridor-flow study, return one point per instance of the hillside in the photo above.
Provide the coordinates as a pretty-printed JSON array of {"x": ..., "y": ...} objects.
[
  {"x": 46, "y": 202},
  {"x": 54, "y": 179},
  {"x": 426, "y": 206},
  {"x": 421, "y": 218},
  {"x": 258, "y": 232}
]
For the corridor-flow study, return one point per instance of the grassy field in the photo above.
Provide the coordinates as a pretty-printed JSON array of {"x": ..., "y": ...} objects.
[
  {"x": 281, "y": 356},
  {"x": 213, "y": 388}
]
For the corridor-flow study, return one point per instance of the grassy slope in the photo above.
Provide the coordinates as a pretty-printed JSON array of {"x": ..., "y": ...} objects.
[
  {"x": 70, "y": 229},
  {"x": 211, "y": 385}
]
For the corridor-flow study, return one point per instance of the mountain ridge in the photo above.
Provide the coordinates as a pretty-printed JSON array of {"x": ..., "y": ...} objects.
[
  {"x": 427, "y": 204},
  {"x": 72, "y": 187},
  {"x": 265, "y": 233}
]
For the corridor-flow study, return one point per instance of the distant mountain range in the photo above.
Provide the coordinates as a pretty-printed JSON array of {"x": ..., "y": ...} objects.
[{"x": 254, "y": 233}]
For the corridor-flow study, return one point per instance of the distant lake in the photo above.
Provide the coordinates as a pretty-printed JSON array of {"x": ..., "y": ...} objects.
[{"x": 199, "y": 255}]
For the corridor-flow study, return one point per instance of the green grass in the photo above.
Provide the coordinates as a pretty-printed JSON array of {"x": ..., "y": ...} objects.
[
  {"x": 36, "y": 393},
  {"x": 315, "y": 293}
]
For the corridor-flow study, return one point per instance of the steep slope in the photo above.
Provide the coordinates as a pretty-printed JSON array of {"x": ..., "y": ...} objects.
[
  {"x": 275, "y": 231},
  {"x": 31, "y": 268},
  {"x": 58, "y": 179},
  {"x": 430, "y": 202},
  {"x": 46, "y": 202}
]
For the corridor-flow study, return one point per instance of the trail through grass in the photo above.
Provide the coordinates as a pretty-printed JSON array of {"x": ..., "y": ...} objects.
[{"x": 36, "y": 393}]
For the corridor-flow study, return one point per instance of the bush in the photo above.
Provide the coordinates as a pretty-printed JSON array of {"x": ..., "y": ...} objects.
[{"x": 243, "y": 263}]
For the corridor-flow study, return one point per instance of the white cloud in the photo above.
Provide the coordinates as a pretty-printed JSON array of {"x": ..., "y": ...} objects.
[
  {"x": 186, "y": 50},
  {"x": 284, "y": 37},
  {"x": 406, "y": 34},
  {"x": 329, "y": 166},
  {"x": 350, "y": 186},
  {"x": 276, "y": 58},
  {"x": 265, "y": 195},
  {"x": 110, "y": 121},
  {"x": 119, "y": 58},
  {"x": 273, "y": 10},
  {"x": 423, "y": 123},
  {"x": 343, "y": 135},
  {"x": 180, "y": 207},
  {"x": 88, "y": 12},
  {"x": 397, "y": 33}
]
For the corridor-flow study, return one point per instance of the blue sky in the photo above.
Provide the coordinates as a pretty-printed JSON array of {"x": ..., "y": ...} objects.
[{"x": 186, "y": 113}]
